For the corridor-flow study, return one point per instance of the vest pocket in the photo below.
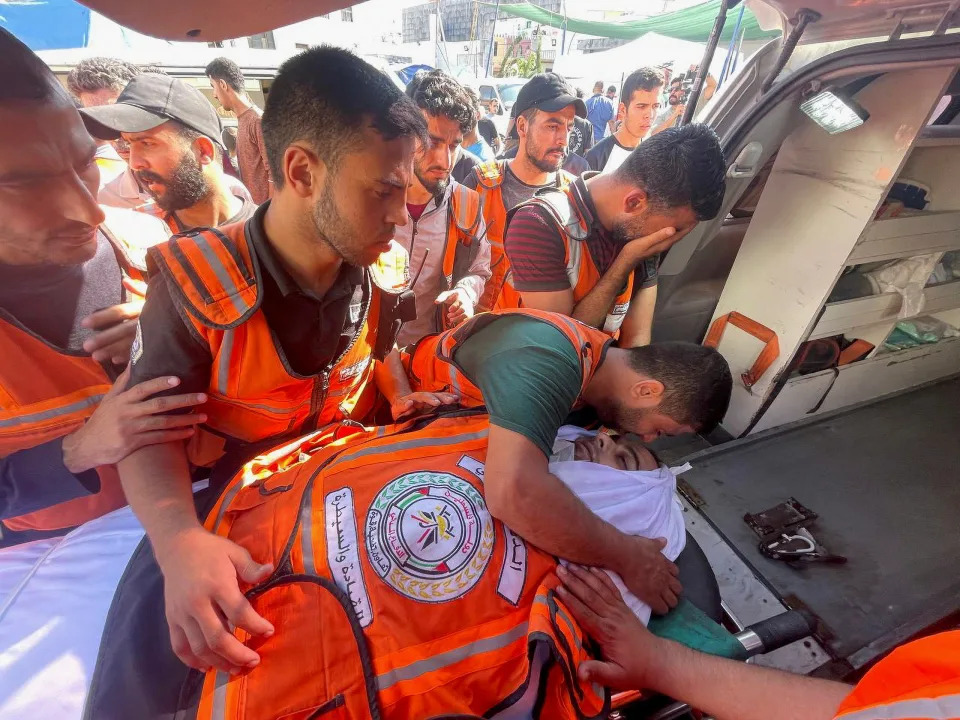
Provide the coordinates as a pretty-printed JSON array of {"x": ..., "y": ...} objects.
[{"x": 316, "y": 665}]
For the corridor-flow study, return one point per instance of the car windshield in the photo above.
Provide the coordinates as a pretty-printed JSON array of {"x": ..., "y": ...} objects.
[{"x": 509, "y": 92}]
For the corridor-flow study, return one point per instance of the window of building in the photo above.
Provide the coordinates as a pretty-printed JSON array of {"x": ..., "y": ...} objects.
[
  {"x": 347, "y": 15},
  {"x": 302, "y": 46},
  {"x": 263, "y": 41}
]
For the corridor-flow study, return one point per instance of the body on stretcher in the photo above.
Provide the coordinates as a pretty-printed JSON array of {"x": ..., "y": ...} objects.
[{"x": 51, "y": 625}]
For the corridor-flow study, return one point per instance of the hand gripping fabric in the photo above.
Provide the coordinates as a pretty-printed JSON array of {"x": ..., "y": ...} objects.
[{"x": 397, "y": 595}]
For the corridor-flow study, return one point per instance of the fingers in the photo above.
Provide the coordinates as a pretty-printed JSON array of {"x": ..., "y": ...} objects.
[
  {"x": 447, "y": 398},
  {"x": 659, "y": 606},
  {"x": 108, "y": 317},
  {"x": 248, "y": 569},
  {"x": 147, "y": 388},
  {"x": 169, "y": 403},
  {"x": 240, "y": 613},
  {"x": 159, "y": 437},
  {"x": 155, "y": 423},
  {"x": 122, "y": 332},
  {"x": 120, "y": 384},
  {"x": 675, "y": 587},
  {"x": 181, "y": 647},
  {"x": 218, "y": 646},
  {"x": 444, "y": 296},
  {"x": 605, "y": 674},
  {"x": 611, "y": 591},
  {"x": 579, "y": 600},
  {"x": 660, "y": 542}
]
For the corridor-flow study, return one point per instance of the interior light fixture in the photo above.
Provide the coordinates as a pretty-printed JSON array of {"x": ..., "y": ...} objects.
[{"x": 834, "y": 111}]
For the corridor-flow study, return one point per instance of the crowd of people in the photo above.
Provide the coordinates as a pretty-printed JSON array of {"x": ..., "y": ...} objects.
[{"x": 376, "y": 260}]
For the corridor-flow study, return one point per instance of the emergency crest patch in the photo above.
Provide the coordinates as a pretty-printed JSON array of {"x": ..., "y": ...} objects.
[
  {"x": 136, "y": 350},
  {"x": 429, "y": 536}
]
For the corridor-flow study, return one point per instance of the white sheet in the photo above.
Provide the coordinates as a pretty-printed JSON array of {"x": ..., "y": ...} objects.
[
  {"x": 54, "y": 598},
  {"x": 639, "y": 502}
]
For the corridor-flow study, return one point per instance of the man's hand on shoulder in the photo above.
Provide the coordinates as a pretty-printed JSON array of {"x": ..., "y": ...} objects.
[
  {"x": 127, "y": 420},
  {"x": 203, "y": 601}
]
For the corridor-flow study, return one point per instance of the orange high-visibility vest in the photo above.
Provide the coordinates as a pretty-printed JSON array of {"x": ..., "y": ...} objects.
[
  {"x": 920, "y": 680},
  {"x": 582, "y": 271},
  {"x": 462, "y": 242},
  {"x": 489, "y": 181},
  {"x": 397, "y": 595},
  {"x": 253, "y": 394},
  {"x": 431, "y": 366},
  {"x": 47, "y": 392}
]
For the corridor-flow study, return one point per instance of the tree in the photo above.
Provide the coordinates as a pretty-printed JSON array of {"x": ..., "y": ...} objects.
[{"x": 525, "y": 67}]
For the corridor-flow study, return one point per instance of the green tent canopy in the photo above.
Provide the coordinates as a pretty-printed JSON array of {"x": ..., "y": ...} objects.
[{"x": 693, "y": 23}]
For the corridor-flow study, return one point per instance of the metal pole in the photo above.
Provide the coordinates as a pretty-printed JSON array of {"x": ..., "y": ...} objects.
[
  {"x": 733, "y": 44},
  {"x": 493, "y": 34},
  {"x": 708, "y": 53},
  {"x": 563, "y": 36}
]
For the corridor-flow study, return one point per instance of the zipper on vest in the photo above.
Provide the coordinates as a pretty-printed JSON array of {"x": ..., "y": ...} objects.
[{"x": 320, "y": 385}]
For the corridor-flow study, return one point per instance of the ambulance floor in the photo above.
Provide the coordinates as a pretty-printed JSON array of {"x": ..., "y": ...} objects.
[{"x": 885, "y": 480}]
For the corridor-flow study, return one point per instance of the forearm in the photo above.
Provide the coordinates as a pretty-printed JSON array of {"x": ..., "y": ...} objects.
[
  {"x": 542, "y": 510},
  {"x": 638, "y": 325},
  {"x": 730, "y": 690},
  {"x": 37, "y": 477},
  {"x": 391, "y": 378},
  {"x": 156, "y": 482},
  {"x": 669, "y": 122},
  {"x": 593, "y": 308}
]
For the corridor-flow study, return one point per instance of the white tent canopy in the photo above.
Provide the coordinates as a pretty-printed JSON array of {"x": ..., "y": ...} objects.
[{"x": 612, "y": 66}]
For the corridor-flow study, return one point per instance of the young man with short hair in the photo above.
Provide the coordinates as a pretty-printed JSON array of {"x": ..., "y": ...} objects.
[
  {"x": 544, "y": 111},
  {"x": 612, "y": 93},
  {"x": 280, "y": 320},
  {"x": 600, "y": 112},
  {"x": 591, "y": 251},
  {"x": 445, "y": 235},
  {"x": 176, "y": 151},
  {"x": 226, "y": 79},
  {"x": 641, "y": 101}
]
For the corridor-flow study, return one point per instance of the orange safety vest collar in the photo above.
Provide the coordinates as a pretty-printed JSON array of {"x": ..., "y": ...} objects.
[
  {"x": 582, "y": 272},
  {"x": 489, "y": 177},
  {"x": 253, "y": 393},
  {"x": 431, "y": 366},
  {"x": 47, "y": 392},
  {"x": 397, "y": 595}
]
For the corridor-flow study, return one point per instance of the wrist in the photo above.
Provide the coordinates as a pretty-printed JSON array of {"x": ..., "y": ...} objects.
[
  {"x": 72, "y": 446},
  {"x": 170, "y": 545}
]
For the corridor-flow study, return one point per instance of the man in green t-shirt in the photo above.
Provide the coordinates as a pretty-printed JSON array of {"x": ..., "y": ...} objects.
[{"x": 530, "y": 376}]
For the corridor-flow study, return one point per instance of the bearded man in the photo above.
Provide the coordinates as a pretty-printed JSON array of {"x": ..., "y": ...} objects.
[{"x": 176, "y": 153}]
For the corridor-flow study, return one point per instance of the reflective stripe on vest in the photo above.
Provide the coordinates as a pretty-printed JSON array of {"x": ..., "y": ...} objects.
[
  {"x": 395, "y": 518},
  {"x": 945, "y": 707},
  {"x": 212, "y": 273}
]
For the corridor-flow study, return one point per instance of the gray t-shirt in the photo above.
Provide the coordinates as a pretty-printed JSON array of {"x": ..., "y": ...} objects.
[{"x": 514, "y": 190}]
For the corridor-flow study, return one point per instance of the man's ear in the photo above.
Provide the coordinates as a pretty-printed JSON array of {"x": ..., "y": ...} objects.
[
  {"x": 635, "y": 201},
  {"x": 303, "y": 171},
  {"x": 205, "y": 151},
  {"x": 521, "y": 124},
  {"x": 646, "y": 393},
  {"x": 622, "y": 110}
]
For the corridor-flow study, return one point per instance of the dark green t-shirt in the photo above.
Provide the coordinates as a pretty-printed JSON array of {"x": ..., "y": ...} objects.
[{"x": 529, "y": 375}]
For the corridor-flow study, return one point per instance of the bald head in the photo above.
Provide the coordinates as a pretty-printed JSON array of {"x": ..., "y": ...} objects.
[
  {"x": 25, "y": 76},
  {"x": 48, "y": 171}
]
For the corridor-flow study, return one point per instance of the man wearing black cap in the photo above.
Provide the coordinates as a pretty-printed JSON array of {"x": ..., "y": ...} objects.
[
  {"x": 175, "y": 151},
  {"x": 544, "y": 113}
]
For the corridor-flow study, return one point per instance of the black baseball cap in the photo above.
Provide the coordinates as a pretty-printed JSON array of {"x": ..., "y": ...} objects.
[
  {"x": 548, "y": 91},
  {"x": 149, "y": 100}
]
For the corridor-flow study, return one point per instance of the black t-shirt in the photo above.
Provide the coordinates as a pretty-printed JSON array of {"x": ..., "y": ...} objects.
[
  {"x": 572, "y": 163},
  {"x": 487, "y": 130},
  {"x": 463, "y": 167},
  {"x": 312, "y": 332},
  {"x": 581, "y": 137}
]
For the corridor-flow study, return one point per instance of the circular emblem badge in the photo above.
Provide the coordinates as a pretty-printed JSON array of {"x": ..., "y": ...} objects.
[{"x": 429, "y": 535}]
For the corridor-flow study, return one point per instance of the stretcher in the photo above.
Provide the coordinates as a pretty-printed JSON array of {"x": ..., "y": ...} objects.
[{"x": 55, "y": 595}]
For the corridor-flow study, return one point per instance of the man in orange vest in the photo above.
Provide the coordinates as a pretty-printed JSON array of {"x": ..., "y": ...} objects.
[
  {"x": 591, "y": 250},
  {"x": 176, "y": 151},
  {"x": 543, "y": 112},
  {"x": 531, "y": 369},
  {"x": 445, "y": 235},
  {"x": 68, "y": 310},
  {"x": 919, "y": 680},
  {"x": 280, "y": 320}
]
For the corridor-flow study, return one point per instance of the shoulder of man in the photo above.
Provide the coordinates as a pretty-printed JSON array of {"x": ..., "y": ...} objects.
[{"x": 598, "y": 155}]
